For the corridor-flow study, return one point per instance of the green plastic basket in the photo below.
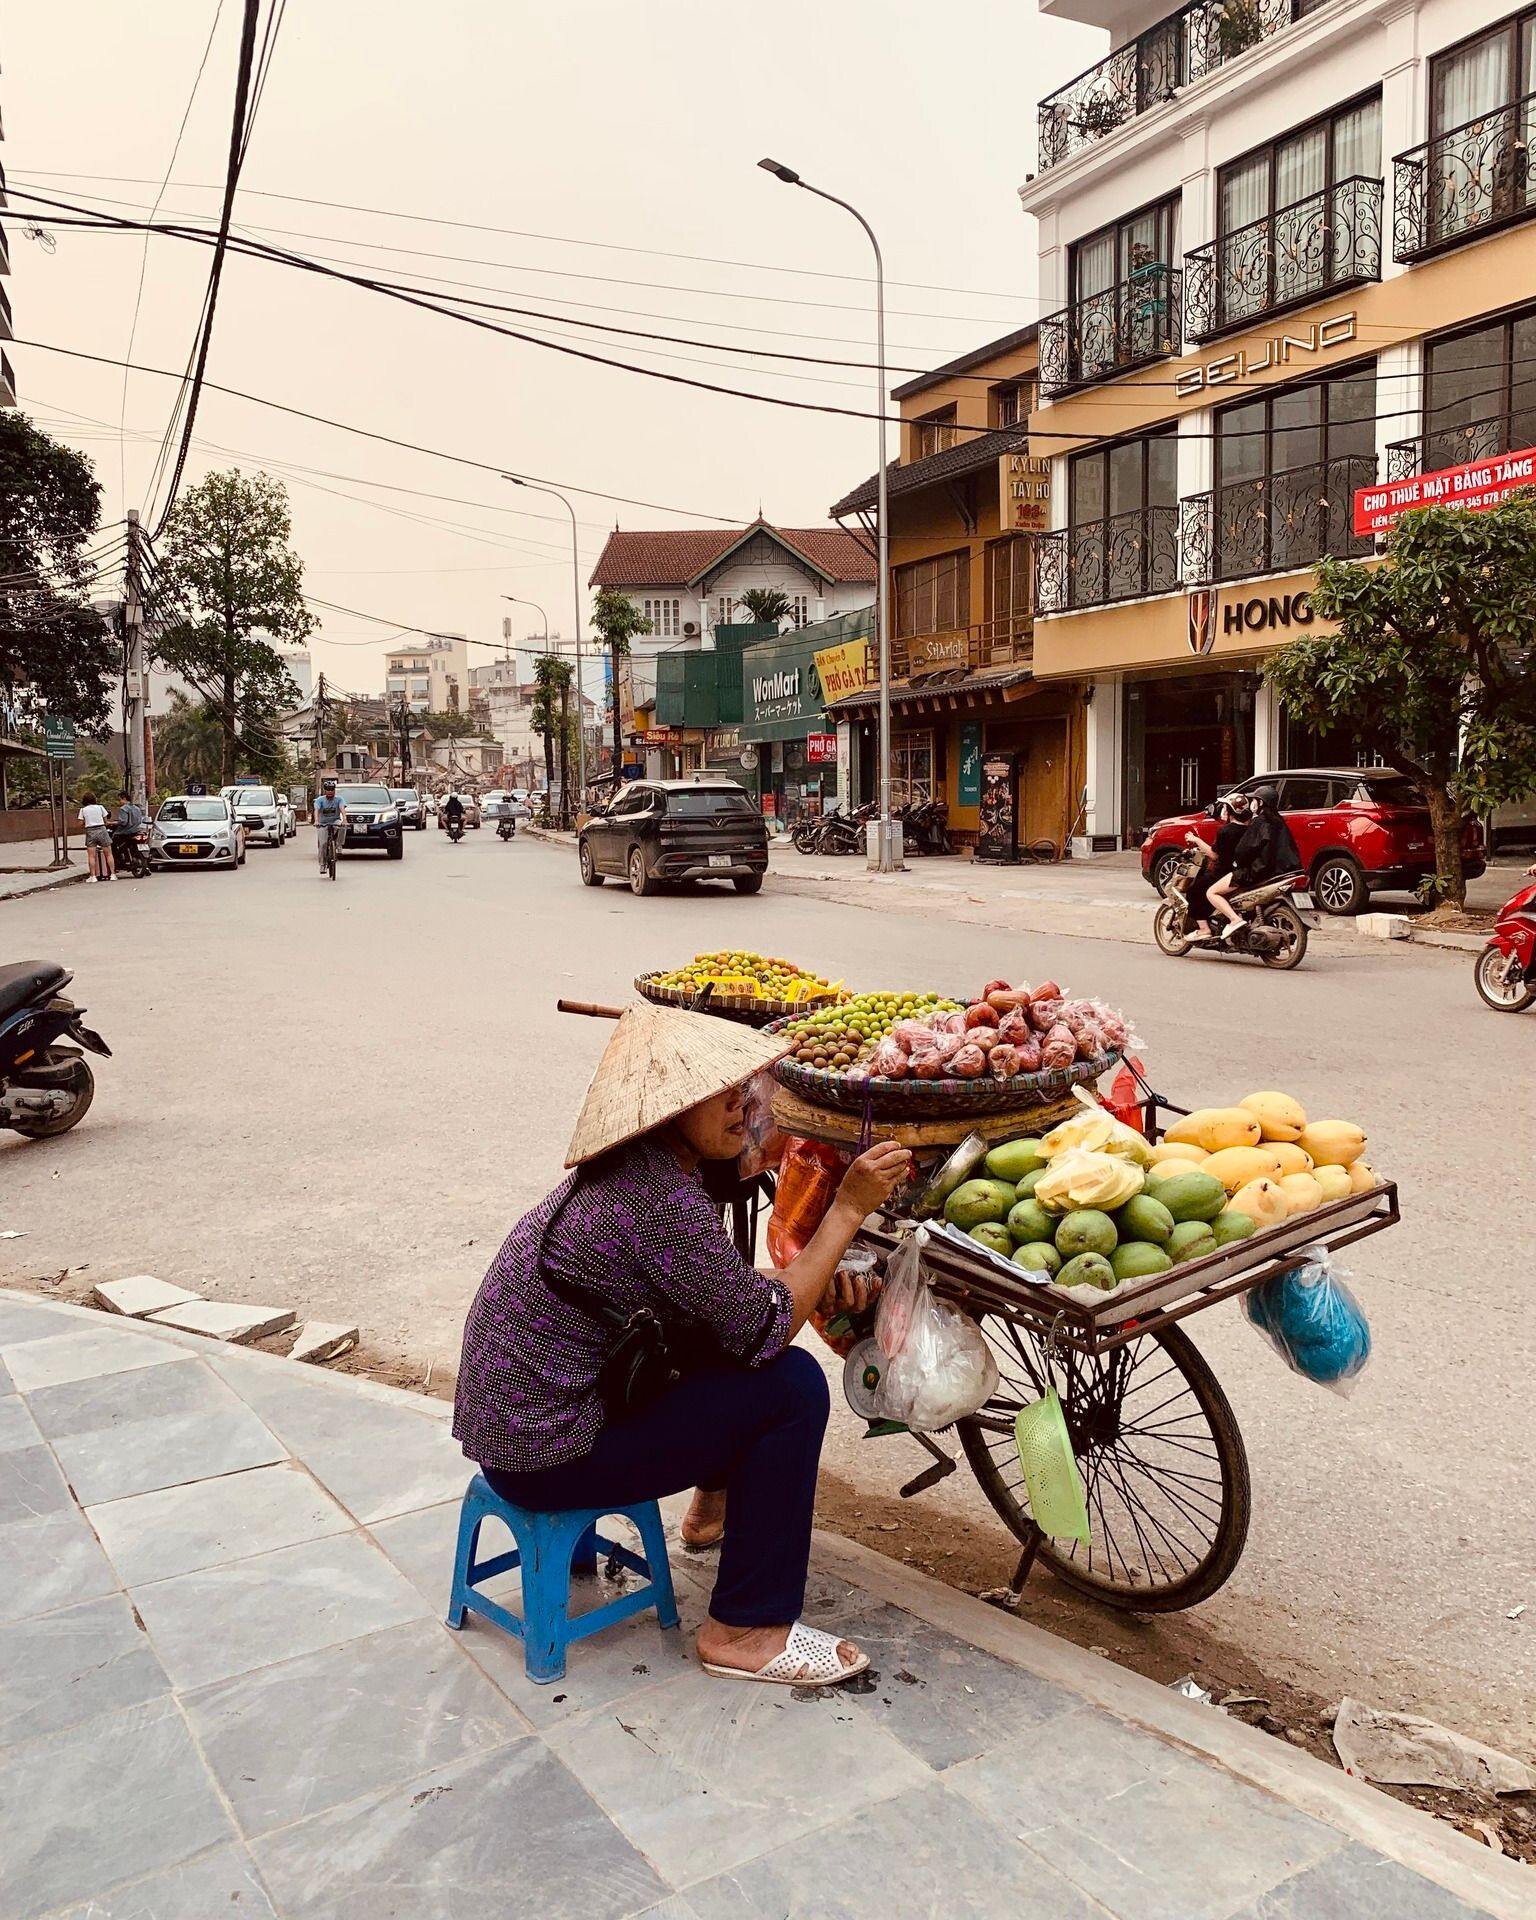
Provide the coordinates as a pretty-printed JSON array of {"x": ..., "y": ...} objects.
[{"x": 1051, "y": 1477}]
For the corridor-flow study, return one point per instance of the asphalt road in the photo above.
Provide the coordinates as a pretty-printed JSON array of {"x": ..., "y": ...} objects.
[{"x": 341, "y": 1097}]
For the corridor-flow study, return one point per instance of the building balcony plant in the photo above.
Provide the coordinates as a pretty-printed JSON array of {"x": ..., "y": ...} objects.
[
  {"x": 1124, "y": 326},
  {"x": 1317, "y": 245}
]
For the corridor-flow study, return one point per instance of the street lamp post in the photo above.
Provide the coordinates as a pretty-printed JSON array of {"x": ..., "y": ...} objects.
[
  {"x": 885, "y": 859},
  {"x": 534, "y": 486},
  {"x": 517, "y": 600}
]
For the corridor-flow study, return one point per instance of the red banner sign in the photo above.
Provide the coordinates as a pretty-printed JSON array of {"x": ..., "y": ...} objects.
[
  {"x": 821, "y": 749},
  {"x": 1482, "y": 483}
]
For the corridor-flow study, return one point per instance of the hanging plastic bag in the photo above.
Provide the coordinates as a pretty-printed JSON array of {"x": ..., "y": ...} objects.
[
  {"x": 762, "y": 1143},
  {"x": 938, "y": 1364},
  {"x": 1313, "y": 1321}
]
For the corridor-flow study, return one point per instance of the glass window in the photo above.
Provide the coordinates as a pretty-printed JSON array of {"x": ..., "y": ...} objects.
[
  {"x": 932, "y": 596},
  {"x": 936, "y": 432},
  {"x": 665, "y": 616},
  {"x": 1481, "y": 122},
  {"x": 1295, "y": 795},
  {"x": 911, "y": 768},
  {"x": 800, "y": 609},
  {"x": 1008, "y": 403},
  {"x": 725, "y": 609},
  {"x": 1123, "y": 508},
  {"x": 1008, "y": 582},
  {"x": 707, "y": 803},
  {"x": 1480, "y": 392}
]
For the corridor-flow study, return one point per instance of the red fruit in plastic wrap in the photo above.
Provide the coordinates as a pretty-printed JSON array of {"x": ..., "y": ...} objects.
[
  {"x": 947, "y": 1045},
  {"x": 1028, "y": 1051},
  {"x": 981, "y": 1015},
  {"x": 948, "y": 1023},
  {"x": 993, "y": 986},
  {"x": 1014, "y": 1027},
  {"x": 984, "y": 1037},
  {"x": 1047, "y": 990},
  {"x": 1004, "y": 1061},
  {"x": 1090, "y": 1042},
  {"x": 889, "y": 1060},
  {"x": 1044, "y": 1014},
  {"x": 1059, "y": 1048},
  {"x": 970, "y": 1063},
  {"x": 933, "y": 1066}
]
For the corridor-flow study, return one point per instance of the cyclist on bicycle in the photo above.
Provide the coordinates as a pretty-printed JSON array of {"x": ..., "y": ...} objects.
[{"x": 329, "y": 815}]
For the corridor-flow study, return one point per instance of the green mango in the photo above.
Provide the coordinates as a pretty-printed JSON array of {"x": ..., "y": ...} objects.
[
  {"x": 1039, "y": 1255},
  {"x": 993, "y": 1235},
  {"x": 1088, "y": 1270},
  {"x": 1030, "y": 1221},
  {"x": 1191, "y": 1196},
  {"x": 1144, "y": 1218},
  {"x": 1138, "y": 1260},
  {"x": 1014, "y": 1158},
  {"x": 1086, "y": 1231},
  {"x": 1230, "y": 1226},
  {"x": 1190, "y": 1239},
  {"x": 978, "y": 1200},
  {"x": 1025, "y": 1188}
]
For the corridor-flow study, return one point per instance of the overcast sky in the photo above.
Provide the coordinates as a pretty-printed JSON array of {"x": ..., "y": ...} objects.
[{"x": 630, "y": 127}]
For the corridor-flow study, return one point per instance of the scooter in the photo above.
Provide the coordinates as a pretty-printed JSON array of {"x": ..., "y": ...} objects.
[
  {"x": 455, "y": 830},
  {"x": 1276, "y": 916},
  {"x": 1505, "y": 970},
  {"x": 130, "y": 851},
  {"x": 506, "y": 827},
  {"x": 925, "y": 828},
  {"x": 45, "y": 1087}
]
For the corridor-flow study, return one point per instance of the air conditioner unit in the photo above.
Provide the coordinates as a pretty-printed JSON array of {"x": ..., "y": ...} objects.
[{"x": 690, "y": 628}]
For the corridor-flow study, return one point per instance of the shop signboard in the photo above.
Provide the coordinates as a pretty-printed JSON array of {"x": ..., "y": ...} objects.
[
  {"x": 1477, "y": 486},
  {"x": 843, "y": 670},
  {"x": 1024, "y": 486},
  {"x": 821, "y": 749},
  {"x": 936, "y": 652},
  {"x": 58, "y": 737},
  {"x": 998, "y": 838},
  {"x": 969, "y": 789}
]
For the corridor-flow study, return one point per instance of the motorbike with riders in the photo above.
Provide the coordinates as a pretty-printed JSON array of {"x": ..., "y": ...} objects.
[{"x": 1239, "y": 888}]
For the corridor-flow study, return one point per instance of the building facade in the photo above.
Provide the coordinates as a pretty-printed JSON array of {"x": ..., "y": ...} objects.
[
  {"x": 431, "y": 676},
  {"x": 967, "y": 499},
  {"x": 1286, "y": 256},
  {"x": 787, "y": 746}
]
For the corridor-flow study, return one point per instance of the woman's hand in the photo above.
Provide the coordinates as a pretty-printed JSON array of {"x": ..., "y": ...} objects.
[
  {"x": 874, "y": 1177},
  {"x": 850, "y": 1292}
]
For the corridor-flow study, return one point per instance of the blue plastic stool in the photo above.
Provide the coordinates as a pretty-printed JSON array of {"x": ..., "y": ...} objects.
[{"x": 550, "y": 1548}]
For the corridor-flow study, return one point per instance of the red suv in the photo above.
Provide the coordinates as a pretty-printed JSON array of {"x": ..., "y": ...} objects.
[{"x": 1359, "y": 830}]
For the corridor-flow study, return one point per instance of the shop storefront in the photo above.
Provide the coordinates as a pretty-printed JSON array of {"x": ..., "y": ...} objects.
[
  {"x": 1185, "y": 738},
  {"x": 784, "y": 722}
]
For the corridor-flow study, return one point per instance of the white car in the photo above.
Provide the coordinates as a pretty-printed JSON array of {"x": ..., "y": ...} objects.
[
  {"x": 260, "y": 811},
  {"x": 196, "y": 829}
]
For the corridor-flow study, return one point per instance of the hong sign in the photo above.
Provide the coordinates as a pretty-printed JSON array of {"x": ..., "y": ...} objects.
[
  {"x": 1024, "y": 484},
  {"x": 1280, "y": 350},
  {"x": 1478, "y": 485},
  {"x": 1266, "y": 612}
]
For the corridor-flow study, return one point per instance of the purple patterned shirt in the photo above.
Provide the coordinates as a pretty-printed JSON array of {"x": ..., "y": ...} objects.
[{"x": 647, "y": 1234}]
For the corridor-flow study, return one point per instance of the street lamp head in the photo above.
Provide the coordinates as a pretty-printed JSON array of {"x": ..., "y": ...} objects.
[{"x": 780, "y": 172}]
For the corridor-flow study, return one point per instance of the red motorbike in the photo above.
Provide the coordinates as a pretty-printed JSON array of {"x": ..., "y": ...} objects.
[{"x": 1505, "y": 973}]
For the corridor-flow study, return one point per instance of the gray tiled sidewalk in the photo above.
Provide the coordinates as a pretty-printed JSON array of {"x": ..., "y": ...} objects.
[{"x": 225, "y": 1688}]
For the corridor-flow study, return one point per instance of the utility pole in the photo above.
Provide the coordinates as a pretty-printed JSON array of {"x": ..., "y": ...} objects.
[
  {"x": 136, "y": 742},
  {"x": 322, "y": 719}
]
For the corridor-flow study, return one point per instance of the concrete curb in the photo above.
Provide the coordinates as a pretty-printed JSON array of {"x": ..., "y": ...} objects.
[
  {"x": 49, "y": 885},
  {"x": 1415, "y": 1840},
  {"x": 1451, "y": 942}
]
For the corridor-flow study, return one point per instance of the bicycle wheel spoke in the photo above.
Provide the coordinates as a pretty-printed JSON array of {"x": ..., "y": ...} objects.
[
  {"x": 1183, "y": 1560},
  {"x": 1171, "y": 1496}
]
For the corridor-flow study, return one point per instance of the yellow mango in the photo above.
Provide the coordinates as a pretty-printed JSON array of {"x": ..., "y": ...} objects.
[
  {"x": 1216, "y": 1127},
  {"x": 1281, "y": 1117},
  {"x": 1234, "y": 1167},
  {"x": 1164, "y": 1169},
  {"x": 1264, "y": 1202},
  {"x": 1302, "y": 1192},
  {"x": 1334, "y": 1182},
  {"x": 1332, "y": 1143},
  {"x": 1176, "y": 1150},
  {"x": 1361, "y": 1179},
  {"x": 1288, "y": 1156}
]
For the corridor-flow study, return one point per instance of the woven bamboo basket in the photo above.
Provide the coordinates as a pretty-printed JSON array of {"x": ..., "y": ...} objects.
[{"x": 727, "y": 1006}]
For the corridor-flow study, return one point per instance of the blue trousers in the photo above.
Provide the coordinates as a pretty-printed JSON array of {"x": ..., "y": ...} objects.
[{"x": 754, "y": 1431}]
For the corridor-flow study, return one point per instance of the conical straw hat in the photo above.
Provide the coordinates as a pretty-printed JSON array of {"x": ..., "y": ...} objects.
[{"x": 659, "y": 1063}]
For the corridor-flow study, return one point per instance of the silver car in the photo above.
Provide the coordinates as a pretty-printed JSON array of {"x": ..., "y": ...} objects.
[
  {"x": 194, "y": 829},
  {"x": 260, "y": 811}
]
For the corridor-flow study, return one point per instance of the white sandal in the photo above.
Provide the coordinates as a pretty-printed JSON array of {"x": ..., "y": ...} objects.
[{"x": 810, "y": 1659}]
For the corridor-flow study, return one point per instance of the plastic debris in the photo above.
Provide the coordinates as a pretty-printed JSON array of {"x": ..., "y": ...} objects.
[
  {"x": 1401, "y": 1750},
  {"x": 1515, "y": 1612},
  {"x": 1191, "y": 1689}
]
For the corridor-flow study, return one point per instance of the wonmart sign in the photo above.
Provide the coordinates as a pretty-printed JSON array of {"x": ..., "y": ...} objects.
[{"x": 1478, "y": 485}]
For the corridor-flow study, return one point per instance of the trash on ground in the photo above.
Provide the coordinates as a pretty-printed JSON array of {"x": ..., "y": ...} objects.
[
  {"x": 1401, "y": 1750},
  {"x": 1191, "y": 1689}
]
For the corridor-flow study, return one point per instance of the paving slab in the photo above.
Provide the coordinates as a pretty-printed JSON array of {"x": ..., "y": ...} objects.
[
  {"x": 293, "y": 1740},
  {"x": 50, "y": 1560},
  {"x": 229, "y": 1320},
  {"x": 17, "y": 1427},
  {"x": 85, "y": 1354},
  {"x": 139, "y": 1294},
  {"x": 1357, "y": 1884},
  {"x": 320, "y": 1340},
  {"x": 74, "y": 1663},
  {"x": 221, "y": 1884},
  {"x": 154, "y": 1536}
]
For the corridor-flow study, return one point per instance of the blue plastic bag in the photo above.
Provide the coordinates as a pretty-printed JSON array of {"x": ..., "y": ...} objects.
[{"x": 1313, "y": 1321}]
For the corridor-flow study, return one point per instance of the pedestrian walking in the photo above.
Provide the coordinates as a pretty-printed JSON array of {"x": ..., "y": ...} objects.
[{"x": 98, "y": 840}]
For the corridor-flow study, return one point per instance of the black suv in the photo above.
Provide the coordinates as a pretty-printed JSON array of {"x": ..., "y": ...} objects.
[
  {"x": 373, "y": 820},
  {"x": 658, "y": 830}
]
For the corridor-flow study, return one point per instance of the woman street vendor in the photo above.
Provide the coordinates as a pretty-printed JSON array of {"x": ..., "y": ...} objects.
[{"x": 548, "y": 1403}]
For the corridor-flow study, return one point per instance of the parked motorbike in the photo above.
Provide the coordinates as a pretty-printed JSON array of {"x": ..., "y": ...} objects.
[
  {"x": 1505, "y": 971},
  {"x": 455, "y": 829},
  {"x": 925, "y": 828},
  {"x": 1276, "y": 917},
  {"x": 45, "y": 1086},
  {"x": 130, "y": 851}
]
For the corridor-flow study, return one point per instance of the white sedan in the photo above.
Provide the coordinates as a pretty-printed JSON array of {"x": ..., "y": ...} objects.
[
  {"x": 260, "y": 811},
  {"x": 192, "y": 829}
]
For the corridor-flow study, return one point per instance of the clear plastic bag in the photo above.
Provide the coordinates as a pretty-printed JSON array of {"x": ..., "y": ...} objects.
[
  {"x": 1313, "y": 1321},
  {"x": 938, "y": 1364},
  {"x": 762, "y": 1143}
]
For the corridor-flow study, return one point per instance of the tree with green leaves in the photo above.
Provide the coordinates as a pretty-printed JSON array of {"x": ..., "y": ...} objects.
[
  {"x": 57, "y": 654},
  {"x": 235, "y": 587},
  {"x": 549, "y": 717},
  {"x": 189, "y": 743},
  {"x": 1433, "y": 665},
  {"x": 617, "y": 621},
  {"x": 769, "y": 605}
]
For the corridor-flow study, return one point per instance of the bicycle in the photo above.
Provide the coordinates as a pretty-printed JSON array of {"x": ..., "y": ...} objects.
[{"x": 332, "y": 835}]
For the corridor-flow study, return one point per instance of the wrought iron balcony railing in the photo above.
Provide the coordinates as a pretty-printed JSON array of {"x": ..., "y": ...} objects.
[
  {"x": 1107, "y": 333},
  {"x": 1124, "y": 557},
  {"x": 6, "y": 331},
  {"x": 1460, "y": 445},
  {"x": 1464, "y": 182},
  {"x": 1329, "y": 240},
  {"x": 1151, "y": 68},
  {"x": 1274, "y": 523}
]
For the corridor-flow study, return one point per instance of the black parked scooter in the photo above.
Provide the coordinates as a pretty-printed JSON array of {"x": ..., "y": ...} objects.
[
  {"x": 130, "y": 851},
  {"x": 45, "y": 1087}
]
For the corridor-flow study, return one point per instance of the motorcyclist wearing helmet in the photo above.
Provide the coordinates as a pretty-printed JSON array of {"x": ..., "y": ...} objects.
[
  {"x": 1218, "y": 849},
  {"x": 1265, "y": 851},
  {"x": 453, "y": 810}
]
